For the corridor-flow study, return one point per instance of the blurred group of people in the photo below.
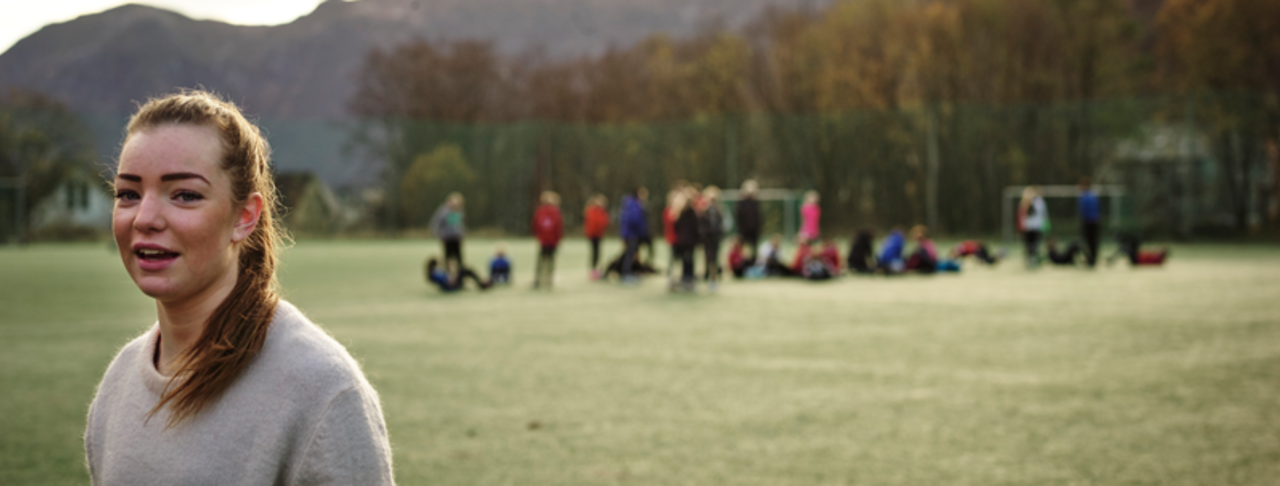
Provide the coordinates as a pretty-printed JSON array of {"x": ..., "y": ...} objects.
[
  {"x": 1033, "y": 222},
  {"x": 695, "y": 221}
]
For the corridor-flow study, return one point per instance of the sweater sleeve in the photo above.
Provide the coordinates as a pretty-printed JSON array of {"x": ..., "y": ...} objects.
[{"x": 350, "y": 445}]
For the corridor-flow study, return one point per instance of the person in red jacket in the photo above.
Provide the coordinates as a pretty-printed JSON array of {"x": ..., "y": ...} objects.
[
  {"x": 669, "y": 215},
  {"x": 595, "y": 220},
  {"x": 548, "y": 227}
]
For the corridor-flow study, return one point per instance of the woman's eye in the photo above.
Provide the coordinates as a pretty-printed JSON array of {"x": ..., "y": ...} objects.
[
  {"x": 188, "y": 196},
  {"x": 126, "y": 195}
]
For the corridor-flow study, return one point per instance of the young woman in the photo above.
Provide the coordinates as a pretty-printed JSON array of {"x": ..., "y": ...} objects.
[
  {"x": 685, "y": 227},
  {"x": 595, "y": 221},
  {"x": 231, "y": 385},
  {"x": 1032, "y": 219},
  {"x": 711, "y": 231},
  {"x": 810, "y": 217},
  {"x": 548, "y": 227},
  {"x": 447, "y": 224}
]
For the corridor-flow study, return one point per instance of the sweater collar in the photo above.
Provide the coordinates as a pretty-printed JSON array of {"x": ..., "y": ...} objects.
[{"x": 145, "y": 362}]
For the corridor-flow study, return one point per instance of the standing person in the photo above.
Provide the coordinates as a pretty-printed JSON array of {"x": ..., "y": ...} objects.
[
  {"x": 447, "y": 225},
  {"x": 633, "y": 227},
  {"x": 232, "y": 384},
  {"x": 747, "y": 216},
  {"x": 711, "y": 230},
  {"x": 549, "y": 228},
  {"x": 686, "y": 238},
  {"x": 595, "y": 221},
  {"x": 1090, "y": 215},
  {"x": 669, "y": 215},
  {"x": 810, "y": 216},
  {"x": 1033, "y": 217}
]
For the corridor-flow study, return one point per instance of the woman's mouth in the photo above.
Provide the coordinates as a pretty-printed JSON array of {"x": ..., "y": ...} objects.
[{"x": 154, "y": 259}]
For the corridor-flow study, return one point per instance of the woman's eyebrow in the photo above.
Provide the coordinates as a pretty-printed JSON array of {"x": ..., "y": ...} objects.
[{"x": 177, "y": 176}]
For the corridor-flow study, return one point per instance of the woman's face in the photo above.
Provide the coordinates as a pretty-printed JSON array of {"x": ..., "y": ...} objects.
[{"x": 173, "y": 219}]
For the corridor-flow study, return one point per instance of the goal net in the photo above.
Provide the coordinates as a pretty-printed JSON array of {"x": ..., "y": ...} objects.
[
  {"x": 779, "y": 210},
  {"x": 1062, "y": 208}
]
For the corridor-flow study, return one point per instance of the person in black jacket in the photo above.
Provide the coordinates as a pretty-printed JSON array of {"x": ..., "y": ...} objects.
[
  {"x": 862, "y": 254},
  {"x": 686, "y": 226},
  {"x": 747, "y": 217},
  {"x": 711, "y": 230}
]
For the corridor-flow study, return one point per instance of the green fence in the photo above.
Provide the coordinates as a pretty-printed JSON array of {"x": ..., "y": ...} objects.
[{"x": 1191, "y": 164}]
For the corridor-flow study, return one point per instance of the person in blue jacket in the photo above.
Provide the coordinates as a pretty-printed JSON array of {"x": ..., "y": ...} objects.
[
  {"x": 1089, "y": 220},
  {"x": 633, "y": 227},
  {"x": 890, "y": 258}
]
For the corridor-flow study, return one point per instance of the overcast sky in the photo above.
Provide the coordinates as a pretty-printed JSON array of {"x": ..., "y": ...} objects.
[{"x": 20, "y": 18}]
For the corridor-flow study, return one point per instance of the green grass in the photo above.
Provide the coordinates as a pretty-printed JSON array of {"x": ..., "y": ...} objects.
[{"x": 993, "y": 376}]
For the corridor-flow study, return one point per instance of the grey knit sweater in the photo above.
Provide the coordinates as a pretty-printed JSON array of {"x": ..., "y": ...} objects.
[{"x": 301, "y": 413}]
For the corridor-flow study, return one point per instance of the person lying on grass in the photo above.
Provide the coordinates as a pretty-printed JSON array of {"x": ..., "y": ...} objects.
[
  {"x": 1063, "y": 256},
  {"x": 452, "y": 281},
  {"x": 976, "y": 249},
  {"x": 1131, "y": 247}
]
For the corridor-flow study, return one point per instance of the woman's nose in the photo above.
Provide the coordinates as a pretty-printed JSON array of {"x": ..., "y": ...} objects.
[{"x": 150, "y": 216}]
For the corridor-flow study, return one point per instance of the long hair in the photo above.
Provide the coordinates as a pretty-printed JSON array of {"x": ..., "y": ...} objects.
[{"x": 237, "y": 330}]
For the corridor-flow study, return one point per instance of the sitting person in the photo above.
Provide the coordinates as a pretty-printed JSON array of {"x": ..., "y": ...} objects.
[
  {"x": 769, "y": 263},
  {"x": 924, "y": 258},
  {"x": 449, "y": 281},
  {"x": 862, "y": 258},
  {"x": 737, "y": 261},
  {"x": 976, "y": 249},
  {"x": 500, "y": 267},
  {"x": 830, "y": 255},
  {"x": 1130, "y": 246},
  {"x": 890, "y": 258},
  {"x": 816, "y": 269},
  {"x": 803, "y": 251},
  {"x": 822, "y": 265},
  {"x": 1065, "y": 256}
]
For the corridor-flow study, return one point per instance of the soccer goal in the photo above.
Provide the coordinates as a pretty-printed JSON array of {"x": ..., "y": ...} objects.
[
  {"x": 778, "y": 207},
  {"x": 12, "y": 202},
  {"x": 1111, "y": 196}
]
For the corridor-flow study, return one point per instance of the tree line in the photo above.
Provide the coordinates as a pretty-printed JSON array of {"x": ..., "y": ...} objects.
[{"x": 952, "y": 99}]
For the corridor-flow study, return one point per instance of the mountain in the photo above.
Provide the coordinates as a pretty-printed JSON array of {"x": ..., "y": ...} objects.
[
  {"x": 104, "y": 62},
  {"x": 296, "y": 78}
]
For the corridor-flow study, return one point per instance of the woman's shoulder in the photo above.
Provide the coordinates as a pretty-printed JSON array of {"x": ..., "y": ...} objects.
[
  {"x": 300, "y": 350},
  {"x": 134, "y": 351}
]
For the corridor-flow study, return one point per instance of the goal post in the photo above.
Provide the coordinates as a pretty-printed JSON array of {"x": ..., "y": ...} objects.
[
  {"x": 1012, "y": 194},
  {"x": 788, "y": 199}
]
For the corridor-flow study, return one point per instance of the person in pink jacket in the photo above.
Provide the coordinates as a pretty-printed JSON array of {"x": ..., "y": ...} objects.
[{"x": 810, "y": 215}]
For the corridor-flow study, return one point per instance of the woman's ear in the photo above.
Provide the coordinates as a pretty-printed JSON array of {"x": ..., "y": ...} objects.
[{"x": 247, "y": 217}]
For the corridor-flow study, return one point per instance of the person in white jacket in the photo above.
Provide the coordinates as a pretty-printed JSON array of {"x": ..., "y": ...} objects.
[
  {"x": 1033, "y": 220},
  {"x": 231, "y": 385}
]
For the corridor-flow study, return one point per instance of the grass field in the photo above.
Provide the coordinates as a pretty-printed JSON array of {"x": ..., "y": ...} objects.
[{"x": 993, "y": 376}]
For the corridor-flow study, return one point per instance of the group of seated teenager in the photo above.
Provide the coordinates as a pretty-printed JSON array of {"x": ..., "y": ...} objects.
[
  {"x": 894, "y": 257},
  {"x": 813, "y": 260}
]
